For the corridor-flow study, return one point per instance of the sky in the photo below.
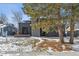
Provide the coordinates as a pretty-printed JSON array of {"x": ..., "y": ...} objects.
[{"x": 7, "y": 9}]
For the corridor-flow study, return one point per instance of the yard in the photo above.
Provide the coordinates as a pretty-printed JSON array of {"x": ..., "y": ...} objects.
[{"x": 34, "y": 46}]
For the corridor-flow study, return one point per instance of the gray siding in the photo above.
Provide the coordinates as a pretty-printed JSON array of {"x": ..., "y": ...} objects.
[{"x": 36, "y": 32}]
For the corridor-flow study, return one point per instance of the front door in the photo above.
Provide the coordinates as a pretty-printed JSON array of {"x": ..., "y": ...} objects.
[{"x": 24, "y": 30}]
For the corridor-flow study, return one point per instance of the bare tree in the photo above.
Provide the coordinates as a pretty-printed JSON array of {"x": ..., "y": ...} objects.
[
  {"x": 3, "y": 18},
  {"x": 17, "y": 16}
]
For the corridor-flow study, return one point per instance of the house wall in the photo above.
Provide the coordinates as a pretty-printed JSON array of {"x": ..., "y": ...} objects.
[
  {"x": 36, "y": 32},
  {"x": 25, "y": 28}
]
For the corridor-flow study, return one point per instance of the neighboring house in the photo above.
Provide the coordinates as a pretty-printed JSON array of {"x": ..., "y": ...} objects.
[
  {"x": 1, "y": 28},
  {"x": 10, "y": 29},
  {"x": 76, "y": 29},
  {"x": 7, "y": 29}
]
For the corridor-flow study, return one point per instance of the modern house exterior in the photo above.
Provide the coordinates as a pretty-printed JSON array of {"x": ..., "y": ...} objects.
[{"x": 25, "y": 29}]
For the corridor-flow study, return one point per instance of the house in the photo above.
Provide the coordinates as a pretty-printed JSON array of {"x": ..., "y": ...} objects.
[
  {"x": 7, "y": 29},
  {"x": 1, "y": 28},
  {"x": 76, "y": 29},
  {"x": 39, "y": 32},
  {"x": 10, "y": 29},
  {"x": 25, "y": 28}
]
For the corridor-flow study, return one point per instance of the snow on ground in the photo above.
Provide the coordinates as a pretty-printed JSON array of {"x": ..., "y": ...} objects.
[{"x": 11, "y": 49}]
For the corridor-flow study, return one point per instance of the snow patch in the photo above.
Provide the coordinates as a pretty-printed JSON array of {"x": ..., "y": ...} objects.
[
  {"x": 75, "y": 47},
  {"x": 8, "y": 47},
  {"x": 27, "y": 48},
  {"x": 49, "y": 49}
]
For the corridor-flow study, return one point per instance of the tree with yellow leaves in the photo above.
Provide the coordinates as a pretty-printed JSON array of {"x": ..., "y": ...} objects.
[{"x": 45, "y": 16}]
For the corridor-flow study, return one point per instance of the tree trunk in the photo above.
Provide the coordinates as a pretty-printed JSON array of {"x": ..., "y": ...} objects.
[
  {"x": 71, "y": 31},
  {"x": 60, "y": 27},
  {"x": 60, "y": 32},
  {"x": 59, "y": 19}
]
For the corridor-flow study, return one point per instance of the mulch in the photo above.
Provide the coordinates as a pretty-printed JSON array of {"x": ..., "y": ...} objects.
[{"x": 55, "y": 45}]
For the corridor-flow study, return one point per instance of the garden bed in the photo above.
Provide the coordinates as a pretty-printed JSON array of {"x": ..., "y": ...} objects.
[{"x": 54, "y": 45}]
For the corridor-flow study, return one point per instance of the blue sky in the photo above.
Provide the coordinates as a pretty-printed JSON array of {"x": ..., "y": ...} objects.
[{"x": 8, "y": 8}]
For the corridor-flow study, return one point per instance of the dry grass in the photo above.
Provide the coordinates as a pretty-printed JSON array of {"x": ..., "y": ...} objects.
[{"x": 55, "y": 45}]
